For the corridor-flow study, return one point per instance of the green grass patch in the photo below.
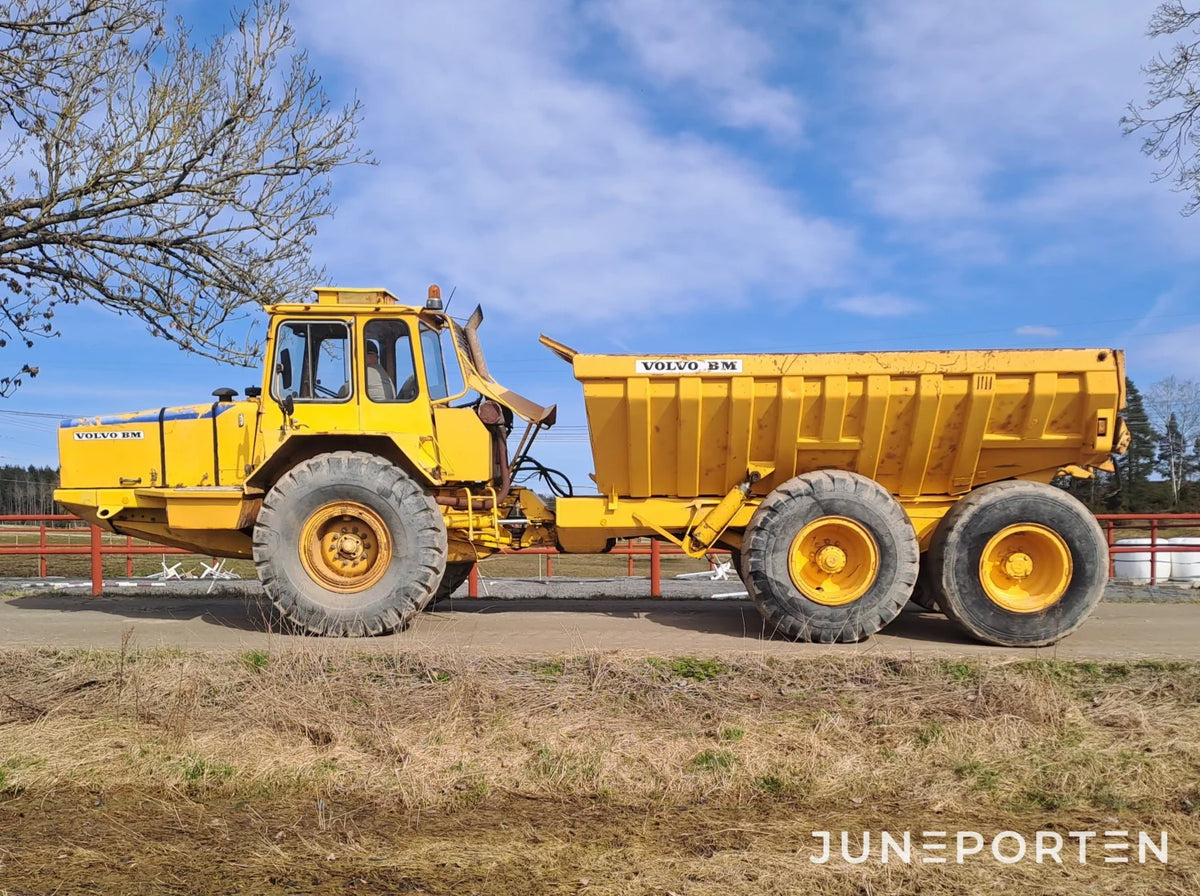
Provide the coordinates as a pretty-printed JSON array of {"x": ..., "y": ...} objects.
[
  {"x": 256, "y": 660},
  {"x": 771, "y": 784},
  {"x": 929, "y": 733},
  {"x": 982, "y": 777},
  {"x": 690, "y": 667},
  {"x": 551, "y": 669},
  {"x": 714, "y": 760},
  {"x": 200, "y": 773},
  {"x": 958, "y": 671}
]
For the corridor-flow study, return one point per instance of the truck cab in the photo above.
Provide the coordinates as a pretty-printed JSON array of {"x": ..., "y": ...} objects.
[
  {"x": 353, "y": 370},
  {"x": 357, "y": 363}
]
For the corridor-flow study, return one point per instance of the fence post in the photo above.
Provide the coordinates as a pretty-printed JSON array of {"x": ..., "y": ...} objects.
[
  {"x": 655, "y": 568},
  {"x": 97, "y": 563},
  {"x": 1153, "y": 551},
  {"x": 473, "y": 581},
  {"x": 128, "y": 557},
  {"x": 1108, "y": 535},
  {"x": 629, "y": 556},
  {"x": 42, "y": 557}
]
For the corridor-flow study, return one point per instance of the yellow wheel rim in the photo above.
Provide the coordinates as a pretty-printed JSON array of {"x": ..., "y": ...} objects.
[
  {"x": 345, "y": 547},
  {"x": 833, "y": 561},
  {"x": 1025, "y": 568}
]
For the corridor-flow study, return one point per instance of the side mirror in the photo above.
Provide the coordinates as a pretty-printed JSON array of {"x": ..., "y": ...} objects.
[
  {"x": 284, "y": 369},
  {"x": 283, "y": 374}
]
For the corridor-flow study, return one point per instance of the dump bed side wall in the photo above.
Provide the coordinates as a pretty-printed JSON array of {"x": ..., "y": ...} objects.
[{"x": 920, "y": 423}]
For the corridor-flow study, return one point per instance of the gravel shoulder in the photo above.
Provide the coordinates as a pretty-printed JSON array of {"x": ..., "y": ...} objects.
[{"x": 564, "y": 616}]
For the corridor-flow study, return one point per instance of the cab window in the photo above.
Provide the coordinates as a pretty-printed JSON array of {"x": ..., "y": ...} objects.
[
  {"x": 312, "y": 361},
  {"x": 435, "y": 366},
  {"x": 389, "y": 372}
]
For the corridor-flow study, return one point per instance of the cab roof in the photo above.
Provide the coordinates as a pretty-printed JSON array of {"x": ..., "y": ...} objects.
[
  {"x": 369, "y": 298},
  {"x": 342, "y": 295}
]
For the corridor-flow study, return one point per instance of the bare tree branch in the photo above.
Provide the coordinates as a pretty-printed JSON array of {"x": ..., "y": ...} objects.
[
  {"x": 1168, "y": 118},
  {"x": 1173, "y": 407},
  {"x": 174, "y": 184}
]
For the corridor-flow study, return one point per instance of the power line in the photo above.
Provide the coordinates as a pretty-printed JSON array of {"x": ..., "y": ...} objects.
[{"x": 37, "y": 414}]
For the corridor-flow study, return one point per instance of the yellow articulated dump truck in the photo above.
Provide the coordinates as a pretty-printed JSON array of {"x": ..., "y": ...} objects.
[{"x": 372, "y": 468}]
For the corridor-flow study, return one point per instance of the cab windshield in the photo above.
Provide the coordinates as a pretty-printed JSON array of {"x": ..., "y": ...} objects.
[{"x": 443, "y": 375}]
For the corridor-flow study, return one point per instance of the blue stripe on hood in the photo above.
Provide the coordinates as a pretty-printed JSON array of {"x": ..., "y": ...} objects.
[{"x": 148, "y": 416}]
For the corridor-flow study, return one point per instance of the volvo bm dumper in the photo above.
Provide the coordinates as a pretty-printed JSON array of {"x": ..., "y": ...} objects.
[{"x": 372, "y": 468}]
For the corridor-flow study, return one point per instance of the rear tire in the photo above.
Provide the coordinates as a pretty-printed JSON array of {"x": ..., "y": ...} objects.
[
  {"x": 830, "y": 556},
  {"x": 347, "y": 544},
  {"x": 457, "y": 572},
  {"x": 925, "y": 594},
  {"x": 1020, "y": 564},
  {"x": 735, "y": 560}
]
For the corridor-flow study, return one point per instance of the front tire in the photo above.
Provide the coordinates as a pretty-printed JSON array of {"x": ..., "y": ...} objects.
[
  {"x": 830, "y": 556},
  {"x": 1020, "y": 564},
  {"x": 347, "y": 544}
]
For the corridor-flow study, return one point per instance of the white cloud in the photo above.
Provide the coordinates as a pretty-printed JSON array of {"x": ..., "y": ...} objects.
[
  {"x": 1163, "y": 340},
  {"x": 700, "y": 43},
  {"x": 504, "y": 171},
  {"x": 1031, "y": 76},
  {"x": 877, "y": 306},
  {"x": 1168, "y": 353},
  {"x": 1038, "y": 331},
  {"x": 926, "y": 179},
  {"x": 1006, "y": 115}
]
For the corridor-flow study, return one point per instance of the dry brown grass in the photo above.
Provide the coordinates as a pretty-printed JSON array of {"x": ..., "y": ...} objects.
[{"x": 310, "y": 769}]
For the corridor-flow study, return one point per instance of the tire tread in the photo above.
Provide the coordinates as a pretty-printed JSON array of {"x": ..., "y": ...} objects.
[{"x": 374, "y": 475}]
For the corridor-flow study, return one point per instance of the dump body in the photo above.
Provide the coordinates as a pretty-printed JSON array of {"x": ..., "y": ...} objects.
[
  {"x": 928, "y": 426},
  {"x": 919, "y": 423}
]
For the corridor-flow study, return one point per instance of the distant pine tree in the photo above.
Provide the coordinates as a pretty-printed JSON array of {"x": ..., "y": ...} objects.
[
  {"x": 1133, "y": 492},
  {"x": 1129, "y": 489}
]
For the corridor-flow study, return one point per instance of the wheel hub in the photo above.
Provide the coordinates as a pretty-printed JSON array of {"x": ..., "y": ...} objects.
[
  {"x": 833, "y": 561},
  {"x": 1025, "y": 568},
  {"x": 348, "y": 547},
  {"x": 1018, "y": 565},
  {"x": 345, "y": 547},
  {"x": 831, "y": 558}
]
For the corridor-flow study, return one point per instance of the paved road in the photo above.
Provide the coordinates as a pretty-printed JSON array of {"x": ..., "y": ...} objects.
[{"x": 198, "y": 621}]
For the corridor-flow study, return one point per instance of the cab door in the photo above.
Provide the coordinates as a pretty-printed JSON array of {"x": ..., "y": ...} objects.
[
  {"x": 311, "y": 368},
  {"x": 403, "y": 396},
  {"x": 393, "y": 400},
  {"x": 465, "y": 445}
]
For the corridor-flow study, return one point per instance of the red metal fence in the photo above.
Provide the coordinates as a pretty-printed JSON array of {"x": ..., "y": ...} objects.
[
  {"x": 95, "y": 548},
  {"x": 1154, "y": 529}
]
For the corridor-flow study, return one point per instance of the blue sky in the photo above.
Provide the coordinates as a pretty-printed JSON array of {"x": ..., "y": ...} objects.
[{"x": 707, "y": 176}]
